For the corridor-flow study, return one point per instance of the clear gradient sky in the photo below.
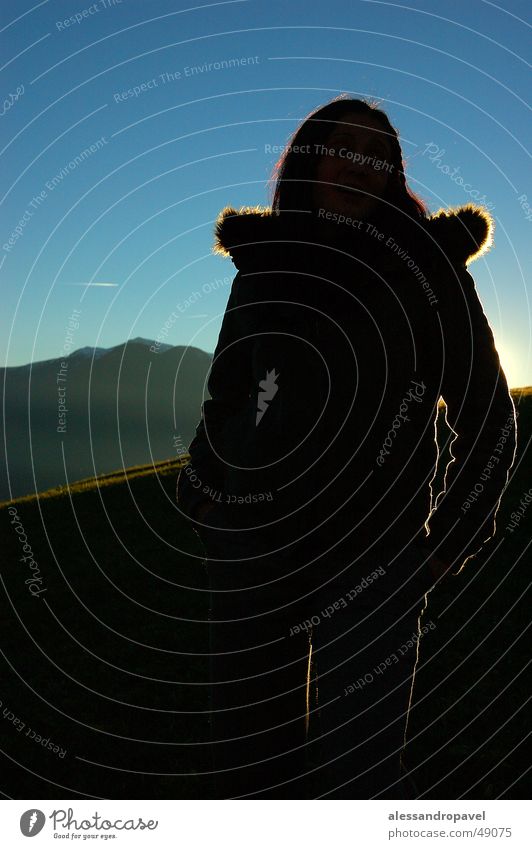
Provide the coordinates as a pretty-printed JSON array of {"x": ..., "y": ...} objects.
[{"x": 136, "y": 210}]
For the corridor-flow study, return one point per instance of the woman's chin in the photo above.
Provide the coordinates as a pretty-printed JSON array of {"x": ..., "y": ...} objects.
[{"x": 349, "y": 204}]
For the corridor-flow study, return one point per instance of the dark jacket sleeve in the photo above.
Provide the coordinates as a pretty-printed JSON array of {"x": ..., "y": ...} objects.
[
  {"x": 229, "y": 387},
  {"x": 481, "y": 413}
]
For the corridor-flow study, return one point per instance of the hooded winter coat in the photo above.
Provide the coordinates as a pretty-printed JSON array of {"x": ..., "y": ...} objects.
[{"x": 332, "y": 356}]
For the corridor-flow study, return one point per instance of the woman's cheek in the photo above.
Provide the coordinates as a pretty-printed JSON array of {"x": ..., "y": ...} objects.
[{"x": 327, "y": 172}]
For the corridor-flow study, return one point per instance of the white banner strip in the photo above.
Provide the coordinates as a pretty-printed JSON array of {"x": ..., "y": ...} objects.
[{"x": 263, "y": 824}]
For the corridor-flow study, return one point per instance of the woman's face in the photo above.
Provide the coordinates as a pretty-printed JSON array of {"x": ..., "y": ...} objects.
[{"x": 354, "y": 166}]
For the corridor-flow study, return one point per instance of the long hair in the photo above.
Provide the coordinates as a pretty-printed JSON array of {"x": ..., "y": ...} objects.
[{"x": 294, "y": 172}]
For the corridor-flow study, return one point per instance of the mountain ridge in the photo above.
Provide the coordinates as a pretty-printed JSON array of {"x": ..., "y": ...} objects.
[
  {"x": 78, "y": 416},
  {"x": 87, "y": 351}
]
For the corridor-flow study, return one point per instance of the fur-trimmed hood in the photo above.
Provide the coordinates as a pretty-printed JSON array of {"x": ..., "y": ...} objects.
[{"x": 464, "y": 232}]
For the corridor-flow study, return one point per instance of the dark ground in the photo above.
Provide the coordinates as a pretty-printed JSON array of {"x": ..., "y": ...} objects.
[{"x": 109, "y": 663}]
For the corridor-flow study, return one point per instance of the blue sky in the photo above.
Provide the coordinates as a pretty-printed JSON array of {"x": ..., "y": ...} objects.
[{"x": 106, "y": 185}]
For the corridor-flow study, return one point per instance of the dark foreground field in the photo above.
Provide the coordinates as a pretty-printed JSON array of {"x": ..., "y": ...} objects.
[{"x": 104, "y": 654}]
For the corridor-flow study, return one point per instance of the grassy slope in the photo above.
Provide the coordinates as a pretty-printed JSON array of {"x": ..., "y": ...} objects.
[
  {"x": 110, "y": 662},
  {"x": 124, "y": 584}
]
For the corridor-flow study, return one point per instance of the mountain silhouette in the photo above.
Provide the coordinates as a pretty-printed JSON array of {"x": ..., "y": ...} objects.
[{"x": 123, "y": 406}]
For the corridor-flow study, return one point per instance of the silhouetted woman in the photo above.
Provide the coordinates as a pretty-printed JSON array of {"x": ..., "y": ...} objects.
[{"x": 351, "y": 314}]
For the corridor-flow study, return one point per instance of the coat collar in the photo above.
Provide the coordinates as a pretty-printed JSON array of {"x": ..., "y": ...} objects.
[{"x": 464, "y": 233}]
